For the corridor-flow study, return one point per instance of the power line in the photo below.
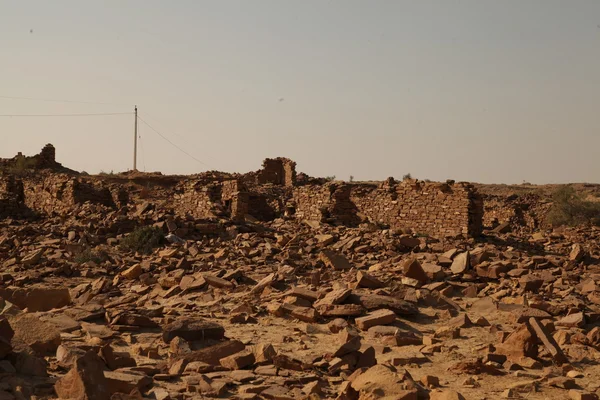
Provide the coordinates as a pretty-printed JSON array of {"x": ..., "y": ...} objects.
[
  {"x": 172, "y": 144},
  {"x": 63, "y": 115},
  {"x": 183, "y": 138},
  {"x": 60, "y": 101}
]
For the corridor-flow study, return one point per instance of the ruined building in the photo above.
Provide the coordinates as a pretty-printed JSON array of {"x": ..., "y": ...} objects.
[{"x": 435, "y": 209}]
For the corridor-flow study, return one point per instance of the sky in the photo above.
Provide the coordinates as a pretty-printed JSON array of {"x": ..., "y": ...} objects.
[{"x": 472, "y": 90}]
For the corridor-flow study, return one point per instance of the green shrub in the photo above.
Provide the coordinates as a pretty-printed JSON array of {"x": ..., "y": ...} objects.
[
  {"x": 88, "y": 255},
  {"x": 569, "y": 208},
  {"x": 143, "y": 239}
]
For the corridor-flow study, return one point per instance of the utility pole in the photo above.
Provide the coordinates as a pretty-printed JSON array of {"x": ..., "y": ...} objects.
[{"x": 135, "y": 135}]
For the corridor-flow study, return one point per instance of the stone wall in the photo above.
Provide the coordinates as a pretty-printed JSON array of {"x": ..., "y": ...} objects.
[
  {"x": 12, "y": 197},
  {"x": 523, "y": 212},
  {"x": 276, "y": 171},
  {"x": 46, "y": 159},
  {"x": 199, "y": 199},
  {"x": 437, "y": 209},
  {"x": 61, "y": 193}
]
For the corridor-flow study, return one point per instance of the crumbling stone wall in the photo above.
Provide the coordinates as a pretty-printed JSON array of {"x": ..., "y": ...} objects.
[
  {"x": 437, "y": 209},
  {"x": 46, "y": 159},
  {"x": 276, "y": 171},
  {"x": 61, "y": 193},
  {"x": 268, "y": 202},
  {"x": 216, "y": 199},
  {"x": 12, "y": 197},
  {"x": 523, "y": 212}
]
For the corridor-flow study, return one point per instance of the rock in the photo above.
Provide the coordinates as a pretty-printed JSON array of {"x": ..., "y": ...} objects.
[
  {"x": 349, "y": 343},
  {"x": 581, "y": 395},
  {"x": 571, "y": 321},
  {"x": 264, "y": 282},
  {"x": 213, "y": 354},
  {"x": 6, "y": 335},
  {"x": 264, "y": 353},
  {"x": 409, "y": 241},
  {"x": 115, "y": 360},
  {"x": 238, "y": 361},
  {"x": 461, "y": 263},
  {"x": 84, "y": 381},
  {"x": 433, "y": 271},
  {"x": 430, "y": 381},
  {"x": 218, "y": 282},
  {"x": 367, "y": 359},
  {"x": 367, "y": 281},
  {"x": 412, "y": 269},
  {"x": 340, "y": 310},
  {"x": 31, "y": 364},
  {"x": 378, "y": 317},
  {"x": 334, "y": 297},
  {"x": 577, "y": 253},
  {"x": 530, "y": 283},
  {"x": 33, "y": 258},
  {"x": 66, "y": 356},
  {"x": 129, "y": 319},
  {"x": 193, "y": 329},
  {"x": 337, "y": 325},
  {"x": 325, "y": 240},
  {"x": 126, "y": 381},
  {"x": 383, "y": 381},
  {"x": 306, "y": 314},
  {"x": 63, "y": 323},
  {"x": 334, "y": 260},
  {"x": 502, "y": 228},
  {"x": 97, "y": 331},
  {"x": 562, "y": 382},
  {"x": 446, "y": 395},
  {"x": 132, "y": 272},
  {"x": 41, "y": 336},
  {"x": 593, "y": 336},
  {"x": 548, "y": 341},
  {"x": 37, "y": 298},
  {"x": 520, "y": 343},
  {"x": 375, "y": 302},
  {"x": 303, "y": 293}
]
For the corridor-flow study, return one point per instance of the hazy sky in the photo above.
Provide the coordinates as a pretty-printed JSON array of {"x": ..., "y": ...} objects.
[{"x": 488, "y": 91}]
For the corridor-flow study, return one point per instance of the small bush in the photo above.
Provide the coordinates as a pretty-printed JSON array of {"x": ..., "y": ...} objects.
[
  {"x": 407, "y": 176},
  {"x": 88, "y": 255},
  {"x": 143, "y": 240},
  {"x": 351, "y": 178},
  {"x": 569, "y": 208},
  {"x": 330, "y": 178}
]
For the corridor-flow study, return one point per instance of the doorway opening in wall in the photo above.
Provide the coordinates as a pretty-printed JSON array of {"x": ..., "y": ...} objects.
[
  {"x": 228, "y": 207},
  {"x": 290, "y": 211}
]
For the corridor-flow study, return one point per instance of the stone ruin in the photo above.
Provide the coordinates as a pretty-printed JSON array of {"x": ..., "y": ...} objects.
[
  {"x": 42, "y": 185},
  {"x": 435, "y": 209},
  {"x": 45, "y": 160}
]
